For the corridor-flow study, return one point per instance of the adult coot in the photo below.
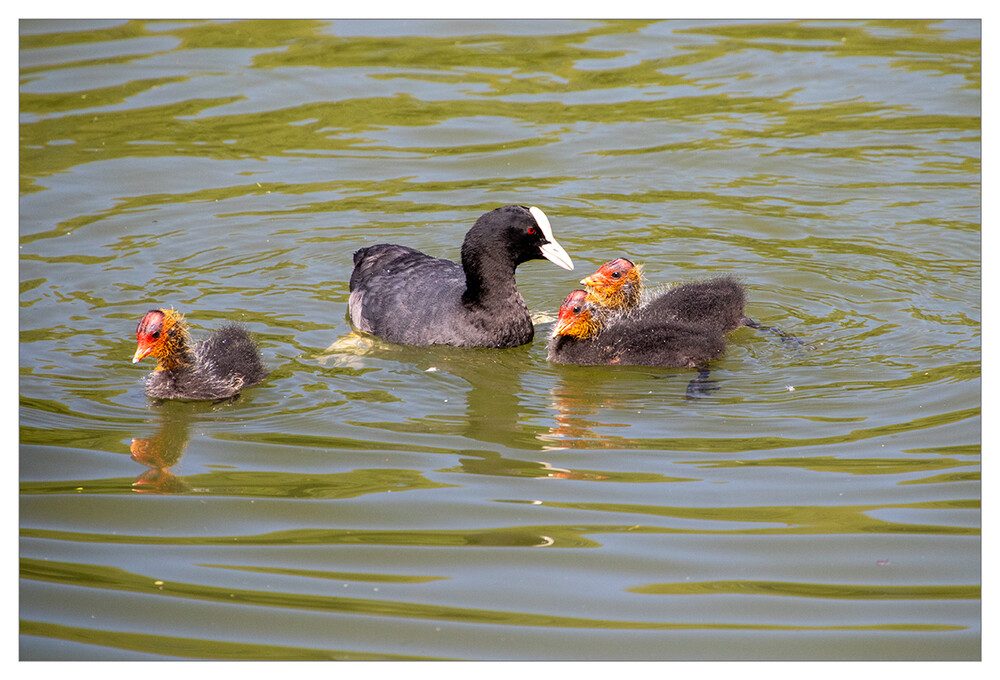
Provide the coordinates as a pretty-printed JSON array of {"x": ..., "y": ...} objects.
[
  {"x": 716, "y": 303},
  {"x": 405, "y": 296},
  {"x": 584, "y": 336},
  {"x": 217, "y": 368}
]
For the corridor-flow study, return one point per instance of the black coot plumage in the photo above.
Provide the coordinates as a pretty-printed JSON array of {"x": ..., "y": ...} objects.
[
  {"x": 584, "y": 336},
  {"x": 219, "y": 367},
  {"x": 404, "y": 296}
]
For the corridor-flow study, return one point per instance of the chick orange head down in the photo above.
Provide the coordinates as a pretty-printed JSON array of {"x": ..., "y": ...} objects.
[
  {"x": 161, "y": 333},
  {"x": 617, "y": 285}
]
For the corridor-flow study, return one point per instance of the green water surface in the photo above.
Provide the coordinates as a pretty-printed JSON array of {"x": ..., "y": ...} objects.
[{"x": 372, "y": 501}]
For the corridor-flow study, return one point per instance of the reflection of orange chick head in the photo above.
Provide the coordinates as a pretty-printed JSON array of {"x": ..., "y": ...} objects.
[
  {"x": 163, "y": 335},
  {"x": 161, "y": 450},
  {"x": 616, "y": 286},
  {"x": 576, "y": 317}
]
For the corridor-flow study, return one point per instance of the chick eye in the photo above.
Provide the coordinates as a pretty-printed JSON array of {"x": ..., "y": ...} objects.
[
  {"x": 616, "y": 275},
  {"x": 576, "y": 310},
  {"x": 155, "y": 334}
]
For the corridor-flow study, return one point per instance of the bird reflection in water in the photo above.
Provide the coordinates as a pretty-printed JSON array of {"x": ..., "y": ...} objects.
[
  {"x": 159, "y": 453},
  {"x": 573, "y": 402}
]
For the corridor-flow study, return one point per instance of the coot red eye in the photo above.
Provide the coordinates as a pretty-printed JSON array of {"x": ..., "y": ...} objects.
[{"x": 531, "y": 230}]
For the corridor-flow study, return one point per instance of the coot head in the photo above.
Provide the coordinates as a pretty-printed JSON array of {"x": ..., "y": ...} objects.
[
  {"x": 162, "y": 334},
  {"x": 616, "y": 286},
  {"x": 577, "y": 318},
  {"x": 522, "y": 232}
]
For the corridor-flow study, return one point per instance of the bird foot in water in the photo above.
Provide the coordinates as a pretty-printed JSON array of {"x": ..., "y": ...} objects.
[
  {"x": 701, "y": 386},
  {"x": 787, "y": 339}
]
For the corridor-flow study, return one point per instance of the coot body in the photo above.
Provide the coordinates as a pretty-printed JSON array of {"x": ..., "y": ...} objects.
[
  {"x": 583, "y": 337},
  {"x": 221, "y": 366},
  {"x": 405, "y": 296}
]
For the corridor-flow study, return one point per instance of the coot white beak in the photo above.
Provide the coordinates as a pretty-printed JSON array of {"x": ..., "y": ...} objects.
[{"x": 552, "y": 251}]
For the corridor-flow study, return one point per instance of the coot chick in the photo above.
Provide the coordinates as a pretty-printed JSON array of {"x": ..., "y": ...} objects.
[
  {"x": 615, "y": 288},
  {"x": 716, "y": 303},
  {"x": 583, "y": 336},
  {"x": 404, "y": 296},
  {"x": 217, "y": 368}
]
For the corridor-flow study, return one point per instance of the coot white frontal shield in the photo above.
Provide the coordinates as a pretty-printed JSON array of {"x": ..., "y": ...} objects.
[{"x": 551, "y": 250}]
